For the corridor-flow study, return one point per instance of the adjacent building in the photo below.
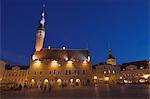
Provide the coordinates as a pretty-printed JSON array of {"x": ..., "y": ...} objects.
[
  {"x": 70, "y": 67},
  {"x": 106, "y": 72},
  {"x": 135, "y": 72}
]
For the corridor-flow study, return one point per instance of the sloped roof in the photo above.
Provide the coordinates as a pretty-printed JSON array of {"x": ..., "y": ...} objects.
[
  {"x": 142, "y": 63},
  {"x": 9, "y": 67},
  {"x": 61, "y": 54}
]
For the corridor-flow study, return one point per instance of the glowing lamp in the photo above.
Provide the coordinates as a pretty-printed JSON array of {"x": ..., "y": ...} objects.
[
  {"x": 106, "y": 78},
  {"x": 71, "y": 80},
  {"x": 70, "y": 62},
  {"x": 33, "y": 57},
  {"x": 113, "y": 72},
  {"x": 59, "y": 80},
  {"x": 95, "y": 77},
  {"x": 59, "y": 64},
  {"x": 84, "y": 62},
  {"x": 46, "y": 80},
  {"x": 32, "y": 80},
  {"x": 77, "y": 80},
  {"x": 64, "y": 48},
  {"x": 38, "y": 61},
  {"x": 88, "y": 58},
  {"x": 120, "y": 77},
  {"x": 66, "y": 58},
  {"x": 146, "y": 76},
  {"x": 49, "y": 47}
]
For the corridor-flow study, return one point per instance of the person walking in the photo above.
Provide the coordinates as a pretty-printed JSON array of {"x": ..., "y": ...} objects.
[
  {"x": 20, "y": 87},
  {"x": 50, "y": 87},
  {"x": 45, "y": 88}
]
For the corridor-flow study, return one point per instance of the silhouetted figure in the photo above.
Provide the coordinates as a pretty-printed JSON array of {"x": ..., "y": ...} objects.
[
  {"x": 50, "y": 87},
  {"x": 20, "y": 87},
  {"x": 45, "y": 88}
]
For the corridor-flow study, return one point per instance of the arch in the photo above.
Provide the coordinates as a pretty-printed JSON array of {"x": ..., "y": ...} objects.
[
  {"x": 59, "y": 81},
  {"x": 78, "y": 82},
  {"x": 32, "y": 82}
]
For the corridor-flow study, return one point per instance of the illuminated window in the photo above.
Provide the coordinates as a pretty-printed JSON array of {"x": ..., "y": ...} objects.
[{"x": 104, "y": 72}]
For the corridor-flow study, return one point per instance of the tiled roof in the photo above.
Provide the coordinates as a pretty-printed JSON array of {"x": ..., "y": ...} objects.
[
  {"x": 9, "y": 67},
  {"x": 61, "y": 54},
  {"x": 143, "y": 63}
]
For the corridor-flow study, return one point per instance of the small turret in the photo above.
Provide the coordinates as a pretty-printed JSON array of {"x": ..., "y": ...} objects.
[{"x": 111, "y": 60}]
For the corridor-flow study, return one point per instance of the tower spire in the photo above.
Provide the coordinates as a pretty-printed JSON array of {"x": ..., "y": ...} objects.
[
  {"x": 40, "y": 34},
  {"x": 42, "y": 21}
]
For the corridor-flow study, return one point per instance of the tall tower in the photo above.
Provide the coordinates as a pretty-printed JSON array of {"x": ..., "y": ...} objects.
[
  {"x": 111, "y": 60},
  {"x": 40, "y": 34}
]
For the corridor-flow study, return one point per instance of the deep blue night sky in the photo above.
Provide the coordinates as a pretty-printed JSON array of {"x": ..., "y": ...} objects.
[{"x": 121, "y": 24}]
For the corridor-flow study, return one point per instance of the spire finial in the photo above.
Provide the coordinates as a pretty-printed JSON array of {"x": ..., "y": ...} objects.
[
  {"x": 42, "y": 21},
  {"x": 43, "y": 8}
]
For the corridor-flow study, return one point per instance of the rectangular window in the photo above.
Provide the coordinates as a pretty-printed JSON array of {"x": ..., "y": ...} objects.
[
  {"x": 78, "y": 72},
  {"x": 69, "y": 72},
  {"x": 40, "y": 73},
  {"x": 74, "y": 72},
  {"x": 66, "y": 72},
  {"x": 54, "y": 72},
  {"x": 50, "y": 72}
]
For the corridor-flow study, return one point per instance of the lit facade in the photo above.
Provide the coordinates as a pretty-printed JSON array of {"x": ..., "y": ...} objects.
[
  {"x": 135, "y": 72},
  {"x": 105, "y": 73},
  {"x": 51, "y": 66}
]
